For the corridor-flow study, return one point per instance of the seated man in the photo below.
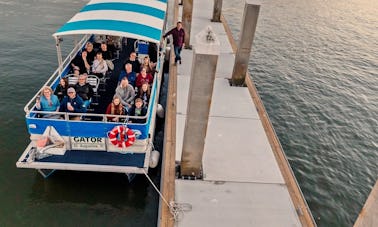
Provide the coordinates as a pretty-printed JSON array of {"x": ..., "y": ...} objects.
[
  {"x": 133, "y": 60},
  {"x": 84, "y": 90},
  {"x": 47, "y": 102},
  {"x": 138, "y": 110},
  {"x": 99, "y": 67},
  {"x": 131, "y": 76},
  {"x": 80, "y": 63},
  {"x": 72, "y": 103},
  {"x": 126, "y": 92}
]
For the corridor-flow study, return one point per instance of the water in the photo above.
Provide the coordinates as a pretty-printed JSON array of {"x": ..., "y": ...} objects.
[{"x": 315, "y": 65}]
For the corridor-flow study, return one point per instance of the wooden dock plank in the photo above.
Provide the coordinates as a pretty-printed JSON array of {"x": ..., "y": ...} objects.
[{"x": 369, "y": 213}]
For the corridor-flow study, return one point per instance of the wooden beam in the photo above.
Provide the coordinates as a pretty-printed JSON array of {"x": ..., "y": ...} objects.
[{"x": 168, "y": 175}]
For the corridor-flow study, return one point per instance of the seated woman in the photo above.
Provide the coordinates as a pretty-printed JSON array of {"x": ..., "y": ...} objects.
[
  {"x": 99, "y": 67},
  {"x": 47, "y": 102},
  {"x": 150, "y": 66},
  {"x": 72, "y": 103},
  {"x": 61, "y": 89},
  {"x": 143, "y": 77},
  {"x": 115, "y": 108},
  {"x": 84, "y": 90},
  {"x": 144, "y": 93},
  {"x": 138, "y": 110}
]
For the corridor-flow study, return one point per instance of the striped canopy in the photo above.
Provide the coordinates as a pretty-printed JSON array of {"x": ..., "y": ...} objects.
[{"x": 138, "y": 19}]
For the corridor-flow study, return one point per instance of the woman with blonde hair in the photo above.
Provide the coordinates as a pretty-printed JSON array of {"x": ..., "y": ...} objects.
[
  {"x": 115, "y": 108},
  {"x": 47, "y": 101},
  {"x": 150, "y": 66}
]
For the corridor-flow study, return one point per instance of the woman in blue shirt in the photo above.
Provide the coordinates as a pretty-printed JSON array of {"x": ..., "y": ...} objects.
[{"x": 47, "y": 102}]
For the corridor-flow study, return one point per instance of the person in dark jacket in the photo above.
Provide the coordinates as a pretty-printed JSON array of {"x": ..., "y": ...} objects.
[
  {"x": 72, "y": 103},
  {"x": 84, "y": 90},
  {"x": 61, "y": 89},
  {"x": 138, "y": 110},
  {"x": 178, "y": 35}
]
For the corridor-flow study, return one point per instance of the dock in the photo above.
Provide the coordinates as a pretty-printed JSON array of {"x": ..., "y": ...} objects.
[
  {"x": 247, "y": 180},
  {"x": 369, "y": 213}
]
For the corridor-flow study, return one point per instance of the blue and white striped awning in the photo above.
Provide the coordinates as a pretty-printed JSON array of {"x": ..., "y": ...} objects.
[{"x": 138, "y": 19}]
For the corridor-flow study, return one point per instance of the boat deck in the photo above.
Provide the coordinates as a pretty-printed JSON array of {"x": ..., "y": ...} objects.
[{"x": 242, "y": 182}]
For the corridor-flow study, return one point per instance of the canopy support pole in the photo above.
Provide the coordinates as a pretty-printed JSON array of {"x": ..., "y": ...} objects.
[{"x": 59, "y": 54}]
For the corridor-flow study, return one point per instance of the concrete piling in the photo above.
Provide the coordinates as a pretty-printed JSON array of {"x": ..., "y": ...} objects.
[
  {"x": 205, "y": 58},
  {"x": 217, "y": 11},
  {"x": 247, "y": 33},
  {"x": 187, "y": 11}
]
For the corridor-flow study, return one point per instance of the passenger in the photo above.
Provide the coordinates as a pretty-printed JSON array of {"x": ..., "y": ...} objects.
[
  {"x": 61, "y": 89},
  {"x": 144, "y": 93},
  {"x": 143, "y": 77},
  {"x": 47, "y": 102},
  {"x": 115, "y": 108},
  {"x": 99, "y": 67},
  {"x": 138, "y": 110},
  {"x": 178, "y": 35},
  {"x": 126, "y": 92},
  {"x": 84, "y": 90},
  {"x": 72, "y": 103},
  {"x": 80, "y": 63},
  {"x": 150, "y": 66},
  {"x": 152, "y": 52},
  {"x": 133, "y": 60},
  {"x": 106, "y": 54},
  {"x": 76, "y": 73},
  {"x": 90, "y": 53},
  {"x": 131, "y": 76}
]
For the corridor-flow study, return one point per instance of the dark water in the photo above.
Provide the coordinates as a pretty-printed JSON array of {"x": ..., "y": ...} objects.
[
  {"x": 315, "y": 64},
  {"x": 67, "y": 198}
]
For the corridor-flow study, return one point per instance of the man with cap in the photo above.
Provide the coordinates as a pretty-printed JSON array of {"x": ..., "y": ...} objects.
[{"x": 72, "y": 103}]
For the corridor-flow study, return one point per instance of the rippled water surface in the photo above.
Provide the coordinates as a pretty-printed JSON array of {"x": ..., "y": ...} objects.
[{"x": 315, "y": 64}]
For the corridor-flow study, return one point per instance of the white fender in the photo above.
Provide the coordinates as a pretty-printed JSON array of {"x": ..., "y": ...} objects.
[
  {"x": 160, "y": 111},
  {"x": 154, "y": 158}
]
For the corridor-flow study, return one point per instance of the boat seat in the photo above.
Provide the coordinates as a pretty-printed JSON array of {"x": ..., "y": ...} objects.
[
  {"x": 141, "y": 49},
  {"x": 94, "y": 81},
  {"x": 72, "y": 79}
]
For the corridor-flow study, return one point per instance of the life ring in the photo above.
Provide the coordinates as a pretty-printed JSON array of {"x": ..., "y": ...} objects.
[{"x": 120, "y": 141}]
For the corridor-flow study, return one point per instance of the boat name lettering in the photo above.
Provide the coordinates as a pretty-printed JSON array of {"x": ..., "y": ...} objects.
[{"x": 88, "y": 139}]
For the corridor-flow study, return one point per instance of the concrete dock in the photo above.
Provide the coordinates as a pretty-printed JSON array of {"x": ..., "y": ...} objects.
[
  {"x": 369, "y": 213},
  {"x": 247, "y": 180}
]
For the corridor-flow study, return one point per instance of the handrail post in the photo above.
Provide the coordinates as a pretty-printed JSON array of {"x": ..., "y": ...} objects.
[{"x": 59, "y": 54}]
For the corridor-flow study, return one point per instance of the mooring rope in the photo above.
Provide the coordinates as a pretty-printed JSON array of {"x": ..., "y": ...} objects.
[{"x": 176, "y": 209}]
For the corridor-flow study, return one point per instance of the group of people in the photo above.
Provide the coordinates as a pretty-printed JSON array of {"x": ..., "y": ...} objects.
[
  {"x": 133, "y": 92},
  {"x": 91, "y": 62},
  {"x": 131, "y": 95}
]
